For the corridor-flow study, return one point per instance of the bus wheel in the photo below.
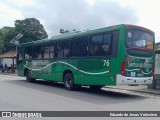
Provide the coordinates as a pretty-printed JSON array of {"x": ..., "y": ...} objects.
[
  {"x": 96, "y": 87},
  {"x": 69, "y": 81},
  {"x": 28, "y": 76}
]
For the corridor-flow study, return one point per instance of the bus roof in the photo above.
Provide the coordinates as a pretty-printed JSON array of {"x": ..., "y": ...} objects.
[{"x": 72, "y": 35}]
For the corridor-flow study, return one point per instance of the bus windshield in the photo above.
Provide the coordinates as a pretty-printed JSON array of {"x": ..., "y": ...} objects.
[{"x": 139, "y": 40}]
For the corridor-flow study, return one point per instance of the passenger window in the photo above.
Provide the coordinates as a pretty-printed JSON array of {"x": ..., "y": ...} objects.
[
  {"x": 46, "y": 51},
  {"x": 38, "y": 52},
  {"x": 63, "y": 49},
  {"x": 79, "y": 47},
  {"x": 52, "y": 51},
  {"x": 28, "y": 53},
  {"x": 107, "y": 44},
  {"x": 60, "y": 50},
  {"x": 95, "y": 45},
  {"x": 100, "y": 45}
]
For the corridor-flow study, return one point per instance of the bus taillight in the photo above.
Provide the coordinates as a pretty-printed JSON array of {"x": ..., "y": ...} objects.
[
  {"x": 140, "y": 69},
  {"x": 123, "y": 68}
]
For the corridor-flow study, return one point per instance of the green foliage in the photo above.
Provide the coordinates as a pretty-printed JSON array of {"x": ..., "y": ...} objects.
[
  {"x": 31, "y": 29},
  {"x": 1, "y": 46},
  {"x": 1, "y": 41},
  {"x": 6, "y": 34}
]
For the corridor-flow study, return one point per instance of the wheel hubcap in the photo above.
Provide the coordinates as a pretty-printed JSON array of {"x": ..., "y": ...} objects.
[
  {"x": 28, "y": 76},
  {"x": 68, "y": 82}
]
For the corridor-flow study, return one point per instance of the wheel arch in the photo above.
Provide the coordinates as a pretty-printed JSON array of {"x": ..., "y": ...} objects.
[
  {"x": 25, "y": 71},
  {"x": 67, "y": 71}
]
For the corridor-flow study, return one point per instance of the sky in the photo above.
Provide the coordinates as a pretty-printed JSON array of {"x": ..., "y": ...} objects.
[{"x": 82, "y": 14}]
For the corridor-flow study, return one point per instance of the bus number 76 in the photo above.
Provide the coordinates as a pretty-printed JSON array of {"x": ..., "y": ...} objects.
[{"x": 106, "y": 63}]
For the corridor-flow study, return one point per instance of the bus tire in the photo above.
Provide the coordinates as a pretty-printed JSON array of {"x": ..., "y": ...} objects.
[
  {"x": 69, "y": 81},
  {"x": 96, "y": 87},
  {"x": 28, "y": 77}
]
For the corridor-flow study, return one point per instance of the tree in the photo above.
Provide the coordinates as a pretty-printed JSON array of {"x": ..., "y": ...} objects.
[
  {"x": 6, "y": 34},
  {"x": 1, "y": 40},
  {"x": 1, "y": 46},
  {"x": 31, "y": 29}
]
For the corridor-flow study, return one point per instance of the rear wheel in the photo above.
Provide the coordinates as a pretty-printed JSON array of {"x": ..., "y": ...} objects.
[
  {"x": 28, "y": 76},
  {"x": 69, "y": 81}
]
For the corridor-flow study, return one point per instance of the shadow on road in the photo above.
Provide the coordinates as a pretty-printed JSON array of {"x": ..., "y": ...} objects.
[{"x": 84, "y": 94}]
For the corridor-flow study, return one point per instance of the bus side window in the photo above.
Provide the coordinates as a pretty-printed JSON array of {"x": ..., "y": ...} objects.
[
  {"x": 95, "y": 48},
  {"x": 74, "y": 45},
  {"x": 28, "y": 53},
  {"x": 79, "y": 47},
  {"x": 38, "y": 52},
  {"x": 107, "y": 42},
  {"x": 100, "y": 45},
  {"x": 52, "y": 51},
  {"x": 60, "y": 49},
  {"x": 66, "y": 49},
  {"x": 46, "y": 51},
  {"x": 63, "y": 49}
]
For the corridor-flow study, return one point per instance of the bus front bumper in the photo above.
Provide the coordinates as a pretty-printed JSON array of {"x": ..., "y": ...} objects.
[{"x": 122, "y": 80}]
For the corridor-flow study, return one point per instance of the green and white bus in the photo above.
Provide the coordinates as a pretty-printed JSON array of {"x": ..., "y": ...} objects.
[{"x": 116, "y": 55}]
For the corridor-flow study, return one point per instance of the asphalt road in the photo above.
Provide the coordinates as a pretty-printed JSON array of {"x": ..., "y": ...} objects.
[{"x": 16, "y": 94}]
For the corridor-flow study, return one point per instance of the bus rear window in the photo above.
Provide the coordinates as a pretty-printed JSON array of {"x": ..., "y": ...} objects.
[{"x": 136, "y": 38}]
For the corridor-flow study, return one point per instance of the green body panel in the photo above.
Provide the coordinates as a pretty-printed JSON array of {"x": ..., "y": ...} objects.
[
  {"x": 20, "y": 68},
  {"x": 86, "y": 71},
  {"x": 139, "y": 67}
]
